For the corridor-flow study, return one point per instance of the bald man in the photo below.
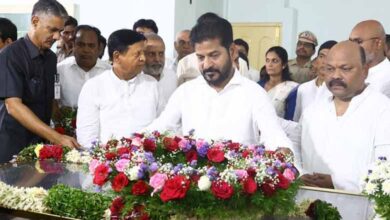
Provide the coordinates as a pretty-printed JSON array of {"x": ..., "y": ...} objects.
[
  {"x": 183, "y": 47},
  {"x": 344, "y": 133},
  {"x": 371, "y": 36}
]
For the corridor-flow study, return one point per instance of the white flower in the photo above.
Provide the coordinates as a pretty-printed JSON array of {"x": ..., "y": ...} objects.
[
  {"x": 229, "y": 176},
  {"x": 132, "y": 173},
  {"x": 371, "y": 188},
  {"x": 204, "y": 183},
  {"x": 73, "y": 156},
  {"x": 38, "y": 149},
  {"x": 386, "y": 187}
]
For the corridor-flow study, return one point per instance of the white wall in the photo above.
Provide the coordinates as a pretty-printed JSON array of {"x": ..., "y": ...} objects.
[
  {"x": 328, "y": 19},
  {"x": 112, "y": 15}
]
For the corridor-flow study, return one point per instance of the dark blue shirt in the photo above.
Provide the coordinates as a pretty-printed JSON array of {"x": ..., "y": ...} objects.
[{"x": 29, "y": 75}]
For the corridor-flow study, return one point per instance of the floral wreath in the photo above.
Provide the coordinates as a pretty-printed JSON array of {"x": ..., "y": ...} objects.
[{"x": 157, "y": 175}]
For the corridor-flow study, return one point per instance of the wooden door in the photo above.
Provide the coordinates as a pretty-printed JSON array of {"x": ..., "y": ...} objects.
[{"x": 260, "y": 37}]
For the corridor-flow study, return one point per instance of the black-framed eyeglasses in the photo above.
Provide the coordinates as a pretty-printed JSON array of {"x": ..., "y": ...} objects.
[{"x": 360, "y": 41}]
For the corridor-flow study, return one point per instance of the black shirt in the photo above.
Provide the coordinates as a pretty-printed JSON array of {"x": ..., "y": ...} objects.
[{"x": 27, "y": 74}]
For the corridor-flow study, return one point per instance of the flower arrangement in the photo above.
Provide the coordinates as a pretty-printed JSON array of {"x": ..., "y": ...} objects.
[
  {"x": 65, "y": 121},
  {"x": 27, "y": 199},
  {"x": 57, "y": 153},
  {"x": 377, "y": 187},
  {"x": 158, "y": 176}
]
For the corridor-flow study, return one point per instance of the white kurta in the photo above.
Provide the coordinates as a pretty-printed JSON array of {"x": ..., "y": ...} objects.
[
  {"x": 345, "y": 146},
  {"x": 379, "y": 77},
  {"x": 278, "y": 95},
  {"x": 307, "y": 93},
  {"x": 238, "y": 113},
  {"x": 167, "y": 84},
  {"x": 114, "y": 108},
  {"x": 72, "y": 79}
]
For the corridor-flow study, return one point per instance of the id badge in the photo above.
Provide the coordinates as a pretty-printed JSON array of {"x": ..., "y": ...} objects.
[{"x": 57, "y": 87}]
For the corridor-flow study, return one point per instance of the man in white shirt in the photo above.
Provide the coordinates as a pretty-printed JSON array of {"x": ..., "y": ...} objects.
[
  {"x": 183, "y": 47},
  {"x": 310, "y": 91},
  {"x": 74, "y": 71},
  {"x": 119, "y": 101},
  {"x": 371, "y": 36},
  {"x": 221, "y": 103},
  {"x": 343, "y": 134},
  {"x": 154, "y": 66}
]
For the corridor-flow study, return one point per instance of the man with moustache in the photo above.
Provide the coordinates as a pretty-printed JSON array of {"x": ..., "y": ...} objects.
[
  {"x": 344, "y": 133},
  {"x": 370, "y": 35},
  {"x": 122, "y": 100},
  {"x": 66, "y": 42},
  {"x": 221, "y": 103},
  {"x": 154, "y": 66},
  {"x": 76, "y": 70},
  {"x": 27, "y": 71},
  {"x": 301, "y": 65}
]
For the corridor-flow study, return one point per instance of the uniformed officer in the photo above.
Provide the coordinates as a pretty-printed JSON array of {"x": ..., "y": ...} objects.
[{"x": 27, "y": 72}]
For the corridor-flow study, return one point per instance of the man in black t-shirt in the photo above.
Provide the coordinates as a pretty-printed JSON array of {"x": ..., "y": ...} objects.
[{"x": 27, "y": 72}]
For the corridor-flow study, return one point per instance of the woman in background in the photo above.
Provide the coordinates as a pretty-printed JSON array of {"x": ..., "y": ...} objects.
[{"x": 276, "y": 80}]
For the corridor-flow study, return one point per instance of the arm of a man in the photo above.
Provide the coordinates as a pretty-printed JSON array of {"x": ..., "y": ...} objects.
[
  {"x": 269, "y": 126},
  {"x": 29, "y": 120},
  {"x": 88, "y": 119}
]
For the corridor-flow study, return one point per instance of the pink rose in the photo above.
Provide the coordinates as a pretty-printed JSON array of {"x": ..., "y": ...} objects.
[
  {"x": 122, "y": 164},
  {"x": 92, "y": 165},
  {"x": 157, "y": 181},
  {"x": 241, "y": 174},
  {"x": 289, "y": 174},
  {"x": 136, "y": 141}
]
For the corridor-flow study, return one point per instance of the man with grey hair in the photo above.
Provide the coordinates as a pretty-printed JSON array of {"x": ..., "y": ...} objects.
[
  {"x": 183, "y": 47},
  {"x": 370, "y": 35},
  {"x": 154, "y": 66},
  {"x": 27, "y": 75}
]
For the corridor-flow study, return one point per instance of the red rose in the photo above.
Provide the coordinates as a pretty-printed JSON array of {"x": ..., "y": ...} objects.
[
  {"x": 251, "y": 171},
  {"x": 222, "y": 189},
  {"x": 171, "y": 144},
  {"x": 123, "y": 150},
  {"x": 249, "y": 186},
  {"x": 119, "y": 182},
  {"x": 116, "y": 207},
  {"x": 100, "y": 175},
  {"x": 268, "y": 189},
  {"x": 139, "y": 188},
  {"x": 215, "y": 155},
  {"x": 191, "y": 155},
  {"x": 234, "y": 146},
  {"x": 60, "y": 130},
  {"x": 246, "y": 153},
  {"x": 110, "y": 156},
  {"x": 57, "y": 152},
  {"x": 283, "y": 183},
  {"x": 150, "y": 145},
  {"x": 138, "y": 135},
  {"x": 175, "y": 188},
  {"x": 195, "y": 178}
]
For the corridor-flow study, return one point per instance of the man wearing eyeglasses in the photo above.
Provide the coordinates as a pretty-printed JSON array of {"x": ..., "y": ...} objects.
[
  {"x": 343, "y": 133},
  {"x": 371, "y": 36},
  {"x": 300, "y": 67}
]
